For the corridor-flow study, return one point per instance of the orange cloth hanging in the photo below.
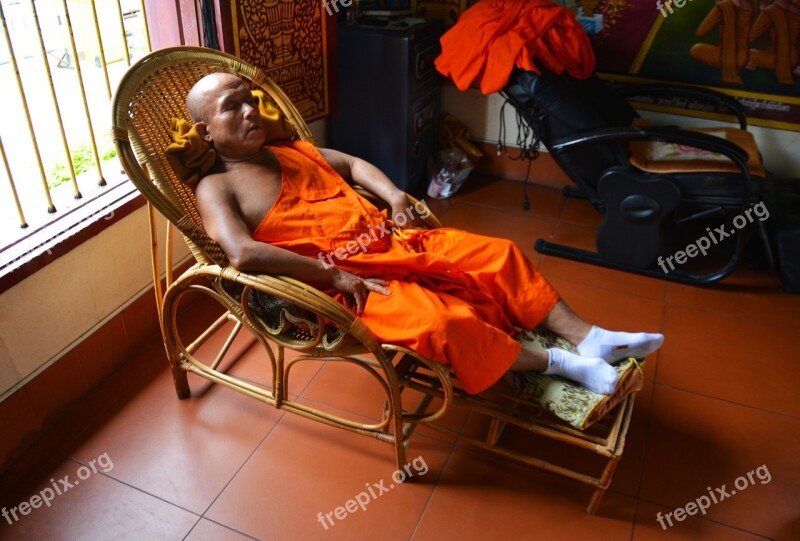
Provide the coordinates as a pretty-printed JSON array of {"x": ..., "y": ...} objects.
[
  {"x": 493, "y": 36},
  {"x": 456, "y": 297}
]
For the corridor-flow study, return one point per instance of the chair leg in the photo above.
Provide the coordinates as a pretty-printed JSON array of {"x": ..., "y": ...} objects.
[
  {"x": 605, "y": 480},
  {"x": 179, "y": 377}
]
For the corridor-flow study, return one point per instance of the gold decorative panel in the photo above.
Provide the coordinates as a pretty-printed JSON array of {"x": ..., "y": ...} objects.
[{"x": 289, "y": 39}]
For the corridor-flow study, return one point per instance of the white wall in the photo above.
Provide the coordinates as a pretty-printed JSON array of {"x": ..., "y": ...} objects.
[
  {"x": 48, "y": 313},
  {"x": 480, "y": 114}
]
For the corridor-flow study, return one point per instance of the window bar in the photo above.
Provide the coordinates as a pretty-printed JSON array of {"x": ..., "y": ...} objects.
[
  {"x": 13, "y": 59},
  {"x": 145, "y": 28},
  {"x": 22, "y": 223},
  {"x": 103, "y": 64},
  {"x": 124, "y": 37},
  {"x": 59, "y": 118},
  {"x": 79, "y": 75}
]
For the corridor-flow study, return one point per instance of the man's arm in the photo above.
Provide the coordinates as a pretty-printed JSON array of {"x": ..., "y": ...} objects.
[
  {"x": 372, "y": 179},
  {"x": 223, "y": 223}
]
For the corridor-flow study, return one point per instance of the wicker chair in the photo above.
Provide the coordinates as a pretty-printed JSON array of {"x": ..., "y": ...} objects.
[{"x": 283, "y": 313}]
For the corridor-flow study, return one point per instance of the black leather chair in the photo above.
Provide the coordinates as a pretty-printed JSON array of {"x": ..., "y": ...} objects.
[{"x": 652, "y": 210}]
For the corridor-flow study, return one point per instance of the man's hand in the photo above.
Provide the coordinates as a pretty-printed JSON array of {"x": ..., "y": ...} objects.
[
  {"x": 402, "y": 206},
  {"x": 356, "y": 289}
]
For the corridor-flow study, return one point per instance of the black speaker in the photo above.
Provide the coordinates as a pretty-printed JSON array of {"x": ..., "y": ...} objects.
[{"x": 787, "y": 244}]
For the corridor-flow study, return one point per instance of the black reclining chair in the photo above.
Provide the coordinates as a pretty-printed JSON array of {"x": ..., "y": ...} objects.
[{"x": 653, "y": 207}]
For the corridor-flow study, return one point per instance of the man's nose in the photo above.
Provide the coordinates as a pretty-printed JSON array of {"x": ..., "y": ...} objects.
[{"x": 251, "y": 110}]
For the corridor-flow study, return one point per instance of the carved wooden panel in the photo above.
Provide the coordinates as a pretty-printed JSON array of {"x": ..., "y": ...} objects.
[{"x": 289, "y": 39}]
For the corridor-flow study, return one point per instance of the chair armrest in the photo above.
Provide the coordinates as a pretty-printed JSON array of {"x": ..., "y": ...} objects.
[
  {"x": 294, "y": 291},
  {"x": 666, "y": 134},
  {"x": 696, "y": 93},
  {"x": 430, "y": 221}
]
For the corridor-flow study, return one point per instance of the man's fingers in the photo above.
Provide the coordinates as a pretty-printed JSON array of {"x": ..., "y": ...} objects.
[
  {"x": 361, "y": 296},
  {"x": 377, "y": 285}
]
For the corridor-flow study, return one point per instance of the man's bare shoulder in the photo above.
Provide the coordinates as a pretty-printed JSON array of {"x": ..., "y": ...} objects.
[{"x": 213, "y": 186}]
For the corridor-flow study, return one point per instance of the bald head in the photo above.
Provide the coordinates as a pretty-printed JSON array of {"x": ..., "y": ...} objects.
[{"x": 205, "y": 91}]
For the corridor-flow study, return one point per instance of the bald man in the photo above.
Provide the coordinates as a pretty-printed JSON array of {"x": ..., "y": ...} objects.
[{"x": 288, "y": 208}]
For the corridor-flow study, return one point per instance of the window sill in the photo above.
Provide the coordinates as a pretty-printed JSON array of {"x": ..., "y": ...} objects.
[{"x": 38, "y": 249}]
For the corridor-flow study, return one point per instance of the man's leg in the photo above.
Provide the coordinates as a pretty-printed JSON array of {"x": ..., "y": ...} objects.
[
  {"x": 593, "y": 341},
  {"x": 593, "y": 373}
]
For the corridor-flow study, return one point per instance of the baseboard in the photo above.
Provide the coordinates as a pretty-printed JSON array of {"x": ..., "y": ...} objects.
[
  {"x": 544, "y": 170},
  {"x": 44, "y": 399}
]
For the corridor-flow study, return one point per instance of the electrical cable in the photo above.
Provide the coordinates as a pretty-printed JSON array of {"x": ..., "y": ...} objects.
[{"x": 529, "y": 138}]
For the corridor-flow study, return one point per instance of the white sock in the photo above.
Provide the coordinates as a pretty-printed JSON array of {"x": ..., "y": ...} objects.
[
  {"x": 593, "y": 373},
  {"x": 613, "y": 346}
]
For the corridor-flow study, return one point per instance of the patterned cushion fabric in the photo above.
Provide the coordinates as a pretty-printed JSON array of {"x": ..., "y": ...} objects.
[{"x": 566, "y": 399}]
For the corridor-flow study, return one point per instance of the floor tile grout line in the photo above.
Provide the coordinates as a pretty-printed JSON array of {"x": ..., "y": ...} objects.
[
  {"x": 245, "y": 461},
  {"x": 645, "y": 449},
  {"x": 706, "y": 519},
  {"x": 728, "y": 401},
  {"x": 221, "y": 525},
  {"x": 738, "y": 317},
  {"x": 439, "y": 479}
]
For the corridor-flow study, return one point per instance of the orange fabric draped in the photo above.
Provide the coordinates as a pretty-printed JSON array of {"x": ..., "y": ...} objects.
[
  {"x": 456, "y": 297},
  {"x": 493, "y": 36}
]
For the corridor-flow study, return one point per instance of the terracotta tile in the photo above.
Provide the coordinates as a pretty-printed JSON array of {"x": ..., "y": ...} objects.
[
  {"x": 581, "y": 212},
  {"x": 453, "y": 418},
  {"x": 507, "y": 195},
  {"x": 749, "y": 293},
  {"x": 439, "y": 207},
  {"x": 719, "y": 356},
  {"x": 20, "y": 424},
  {"x": 305, "y": 470},
  {"x": 647, "y": 527},
  {"x": 140, "y": 319},
  {"x": 247, "y": 359},
  {"x": 59, "y": 386},
  {"x": 522, "y": 229},
  {"x": 96, "y": 506},
  {"x": 347, "y": 387},
  {"x": 183, "y": 451},
  {"x": 628, "y": 476},
  {"x": 205, "y": 530},
  {"x": 698, "y": 442},
  {"x": 481, "y": 497},
  {"x": 102, "y": 352},
  {"x": 582, "y": 237}
]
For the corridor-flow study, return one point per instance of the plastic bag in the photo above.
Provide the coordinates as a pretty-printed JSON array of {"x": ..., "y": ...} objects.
[{"x": 448, "y": 169}]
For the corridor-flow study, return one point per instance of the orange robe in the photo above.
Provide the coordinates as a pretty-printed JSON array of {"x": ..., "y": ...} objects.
[
  {"x": 456, "y": 297},
  {"x": 493, "y": 36}
]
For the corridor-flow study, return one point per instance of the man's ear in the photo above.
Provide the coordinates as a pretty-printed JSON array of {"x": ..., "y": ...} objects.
[{"x": 202, "y": 131}]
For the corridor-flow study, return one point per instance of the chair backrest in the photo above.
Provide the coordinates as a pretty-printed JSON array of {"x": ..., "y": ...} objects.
[
  {"x": 563, "y": 106},
  {"x": 152, "y": 92}
]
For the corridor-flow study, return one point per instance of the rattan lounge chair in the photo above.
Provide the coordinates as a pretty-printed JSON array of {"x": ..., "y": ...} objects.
[{"x": 285, "y": 314}]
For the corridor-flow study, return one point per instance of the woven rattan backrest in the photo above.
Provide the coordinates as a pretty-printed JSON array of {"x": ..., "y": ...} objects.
[{"x": 151, "y": 93}]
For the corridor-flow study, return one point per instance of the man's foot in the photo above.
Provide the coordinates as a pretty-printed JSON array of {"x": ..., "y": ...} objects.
[
  {"x": 593, "y": 373},
  {"x": 613, "y": 346}
]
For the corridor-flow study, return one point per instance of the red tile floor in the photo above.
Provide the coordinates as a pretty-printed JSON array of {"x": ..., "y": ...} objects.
[{"x": 719, "y": 401}]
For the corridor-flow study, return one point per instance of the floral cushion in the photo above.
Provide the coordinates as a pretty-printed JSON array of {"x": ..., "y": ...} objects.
[{"x": 567, "y": 400}]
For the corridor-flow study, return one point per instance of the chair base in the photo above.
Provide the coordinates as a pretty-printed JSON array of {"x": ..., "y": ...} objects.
[
  {"x": 503, "y": 408},
  {"x": 592, "y": 258}
]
